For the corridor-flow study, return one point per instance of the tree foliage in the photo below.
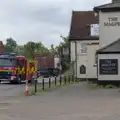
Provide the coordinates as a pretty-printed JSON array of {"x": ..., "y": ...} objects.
[
  {"x": 65, "y": 61},
  {"x": 10, "y": 45}
]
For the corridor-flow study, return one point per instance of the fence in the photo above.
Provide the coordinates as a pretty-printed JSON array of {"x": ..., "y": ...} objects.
[{"x": 42, "y": 84}]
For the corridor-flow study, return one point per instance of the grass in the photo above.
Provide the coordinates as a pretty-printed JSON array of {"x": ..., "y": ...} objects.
[
  {"x": 95, "y": 86},
  {"x": 110, "y": 86}
]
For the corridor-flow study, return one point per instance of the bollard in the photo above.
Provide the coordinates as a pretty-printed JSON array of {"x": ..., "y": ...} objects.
[
  {"x": 35, "y": 84},
  {"x": 76, "y": 79},
  {"x": 65, "y": 79},
  {"x": 43, "y": 84},
  {"x": 55, "y": 81},
  {"x": 26, "y": 88},
  {"x": 73, "y": 78},
  {"x": 69, "y": 79},
  {"x": 60, "y": 80},
  {"x": 49, "y": 82}
]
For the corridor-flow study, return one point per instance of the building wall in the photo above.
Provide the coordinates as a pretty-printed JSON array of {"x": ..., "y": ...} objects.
[
  {"x": 72, "y": 51},
  {"x": 109, "y": 77},
  {"x": 81, "y": 59},
  {"x": 91, "y": 61},
  {"x": 86, "y": 59},
  {"x": 109, "y": 27}
]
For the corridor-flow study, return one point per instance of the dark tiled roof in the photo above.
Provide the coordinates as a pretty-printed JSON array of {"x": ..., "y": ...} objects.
[
  {"x": 108, "y": 7},
  {"x": 80, "y": 25},
  {"x": 113, "y": 47}
]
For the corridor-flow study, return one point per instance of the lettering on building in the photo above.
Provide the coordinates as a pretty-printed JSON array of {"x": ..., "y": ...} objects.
[{"x": 112, "y": 21}]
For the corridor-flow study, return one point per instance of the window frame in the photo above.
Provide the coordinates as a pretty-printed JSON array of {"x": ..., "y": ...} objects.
[{"x": 82, "y": 49}]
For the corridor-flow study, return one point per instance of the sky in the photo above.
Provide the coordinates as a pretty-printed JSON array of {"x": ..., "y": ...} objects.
[{"x": 40, "y": 20}]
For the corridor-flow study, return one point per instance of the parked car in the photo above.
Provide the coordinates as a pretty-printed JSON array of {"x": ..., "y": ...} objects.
[{"x": 48, "y": 72}]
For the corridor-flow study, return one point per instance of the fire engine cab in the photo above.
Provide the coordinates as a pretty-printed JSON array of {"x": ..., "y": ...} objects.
[{"x": 15, "y": 68}]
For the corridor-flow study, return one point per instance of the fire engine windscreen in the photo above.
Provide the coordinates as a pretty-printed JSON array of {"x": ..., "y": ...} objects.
[{"x": 5, "y": 62}]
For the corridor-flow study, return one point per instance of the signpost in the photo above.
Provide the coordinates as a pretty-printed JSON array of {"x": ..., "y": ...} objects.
[{"x": 108, "y": 66}]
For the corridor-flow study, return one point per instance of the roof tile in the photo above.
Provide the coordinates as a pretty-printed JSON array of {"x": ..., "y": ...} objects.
[{"x": 80, "y": 24}]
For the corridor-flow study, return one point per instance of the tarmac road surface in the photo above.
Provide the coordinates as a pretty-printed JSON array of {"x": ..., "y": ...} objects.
[
  {"x": 10, "y": 90},
  {"x": 73, "y": 102}
]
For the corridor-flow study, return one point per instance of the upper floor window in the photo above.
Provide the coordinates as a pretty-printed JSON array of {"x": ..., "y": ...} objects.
[{"x": 83, "y": 48}]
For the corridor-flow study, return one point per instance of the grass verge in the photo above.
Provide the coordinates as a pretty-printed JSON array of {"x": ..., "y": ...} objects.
[{"x": 95, "y": 86}]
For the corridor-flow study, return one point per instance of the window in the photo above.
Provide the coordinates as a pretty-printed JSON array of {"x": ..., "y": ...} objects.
[
  {"x": 4, "y": 62},
  {"x": 83, "y": 48},
  {"x": 20, "y": 63}
]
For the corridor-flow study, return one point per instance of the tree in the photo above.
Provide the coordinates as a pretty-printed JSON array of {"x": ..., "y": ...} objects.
[
  {"x": 29, "y": 49},
  {"x": 10, "y": 45},
  {"x": 33, "y": 48},
  {"x": 53, "y": 49},
  {"x": 19, "y": 50},
  {"x": 65, "y": 61}
]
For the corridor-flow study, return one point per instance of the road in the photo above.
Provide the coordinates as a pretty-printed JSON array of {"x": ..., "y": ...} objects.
[
  {"x": 10, "y": 90},
  {"x": 73, "y": 102}
]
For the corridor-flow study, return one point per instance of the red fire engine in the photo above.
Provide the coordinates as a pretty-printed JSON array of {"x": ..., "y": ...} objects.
[{"x": 15, "y": 68}]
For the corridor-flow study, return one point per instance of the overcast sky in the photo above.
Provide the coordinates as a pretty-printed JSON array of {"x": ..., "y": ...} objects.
[{"x": 39, "y": 20}]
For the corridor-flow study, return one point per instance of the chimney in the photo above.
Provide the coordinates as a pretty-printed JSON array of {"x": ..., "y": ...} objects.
[{"x": 115, "y": 1}]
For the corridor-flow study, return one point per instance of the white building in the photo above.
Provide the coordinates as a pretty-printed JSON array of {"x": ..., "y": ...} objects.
[
  {"x": 109, "y": 53},
  {"x": 84, "y": 41}
]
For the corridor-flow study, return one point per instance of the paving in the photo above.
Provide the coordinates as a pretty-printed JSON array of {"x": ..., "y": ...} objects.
[{"x": 73, "y": 102}]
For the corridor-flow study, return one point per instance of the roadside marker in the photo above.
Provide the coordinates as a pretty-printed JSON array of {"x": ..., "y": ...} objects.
[{"x": 26, "y": 88}]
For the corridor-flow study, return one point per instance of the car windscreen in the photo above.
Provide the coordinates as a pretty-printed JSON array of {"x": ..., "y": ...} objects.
[{"x": 5, "y": 62}]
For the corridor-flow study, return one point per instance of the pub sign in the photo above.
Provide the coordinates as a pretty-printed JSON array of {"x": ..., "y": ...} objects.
[{"x": 108, "y": 66}]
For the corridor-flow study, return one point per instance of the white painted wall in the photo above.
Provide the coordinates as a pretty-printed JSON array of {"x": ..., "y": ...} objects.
[
  {"x": 82, "y": 59},
  {"x": 91, "y": 68},
  {"x": 108, "y": 34},
  {"x": 72, "y": 49},
  {"x": 87, "y": 60},
  {"x": 109, "y": 77}
]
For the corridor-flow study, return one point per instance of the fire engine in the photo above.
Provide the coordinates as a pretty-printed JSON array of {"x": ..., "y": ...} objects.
[{"x": 14, "y": 68}]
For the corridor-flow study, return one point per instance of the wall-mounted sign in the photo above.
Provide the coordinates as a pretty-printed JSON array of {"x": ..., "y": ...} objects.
[
  {"x": 112, "y": 21},
  {"x": 94, "y": 28},
  {"x": 82, "y": 69},
  {"x": 108, "y": 66}
]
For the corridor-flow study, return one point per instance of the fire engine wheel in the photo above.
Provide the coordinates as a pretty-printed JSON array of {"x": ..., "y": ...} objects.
[{"x": 18, "y": 80}]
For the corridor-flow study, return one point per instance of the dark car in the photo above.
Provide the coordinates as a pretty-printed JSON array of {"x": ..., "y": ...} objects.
[
  {"x": 44, "y": 72},
  {"x": 48, "y": 72}
]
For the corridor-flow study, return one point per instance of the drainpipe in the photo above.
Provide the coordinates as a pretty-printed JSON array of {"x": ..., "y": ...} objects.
[
  {"x": 97, "y": 65},
  {"x": 76, "y": 57}
]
